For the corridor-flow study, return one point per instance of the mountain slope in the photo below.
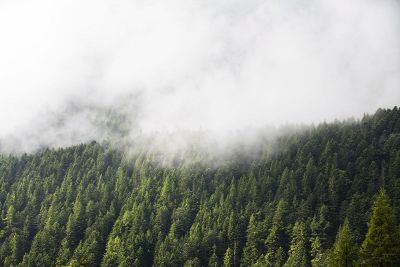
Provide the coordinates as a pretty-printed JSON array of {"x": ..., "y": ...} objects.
[{"x": 93, "y": 205}]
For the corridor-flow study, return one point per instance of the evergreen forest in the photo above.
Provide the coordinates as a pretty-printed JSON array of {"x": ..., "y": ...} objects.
[{"x": 326, "y": 195}]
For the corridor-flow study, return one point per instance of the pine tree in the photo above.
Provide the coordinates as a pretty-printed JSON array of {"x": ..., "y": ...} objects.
[
  {"x": 228, "y": 258},
  {"x": 16, "y": 248},
  {"x": 192, "y": 263},
  {"x": 344, "y": 252},
  {"x": 317, "y": 254},
  {"x": 275, "y": 254},
  {"x": 381, "y": 246},
  {"x": 213, "y": 261},
  {"x": 298, "y": 251},
  {"x": 250, "y": 251}
]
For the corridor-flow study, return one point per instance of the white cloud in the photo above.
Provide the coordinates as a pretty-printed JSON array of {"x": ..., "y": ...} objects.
[{"x": 219, "y": 65}]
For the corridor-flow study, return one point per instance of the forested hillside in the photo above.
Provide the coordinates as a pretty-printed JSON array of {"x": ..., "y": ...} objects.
[{"x": 306, "y": 204}]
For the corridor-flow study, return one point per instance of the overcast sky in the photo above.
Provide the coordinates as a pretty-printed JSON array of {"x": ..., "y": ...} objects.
[{"x": 198, "y": 64}]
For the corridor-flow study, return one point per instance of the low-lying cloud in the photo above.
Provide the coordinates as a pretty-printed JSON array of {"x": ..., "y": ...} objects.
[{"x": 188, "y": 65}]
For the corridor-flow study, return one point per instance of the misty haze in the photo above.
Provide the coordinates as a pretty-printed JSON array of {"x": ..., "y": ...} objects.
[{"x": 200, "y": 133}]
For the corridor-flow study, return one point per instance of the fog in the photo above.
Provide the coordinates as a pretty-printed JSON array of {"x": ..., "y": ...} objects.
[{"x": 72, "y": 71}]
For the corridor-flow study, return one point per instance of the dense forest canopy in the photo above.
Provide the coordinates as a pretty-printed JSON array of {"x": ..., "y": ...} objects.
[{"x": 330, "y": 195}]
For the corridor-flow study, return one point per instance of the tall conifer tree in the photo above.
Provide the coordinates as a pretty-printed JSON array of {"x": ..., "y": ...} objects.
[
  {"x": 344, "y": 252},
  {"x": 381, "y": 246}
]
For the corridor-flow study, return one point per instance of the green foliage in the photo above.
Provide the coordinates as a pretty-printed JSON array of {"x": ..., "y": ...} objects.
[
  {"x": 93, "y": 205},
  {"x": 228, "y": 258},
  {"x": 298, "y": 247},
  {"x": 344, "y": 253},
  {"x": 317, "y": 253},
  {"x": 381, "y": 246},
  {"x": 254, "y": 243},
  {"x": 213, "y": 261}
]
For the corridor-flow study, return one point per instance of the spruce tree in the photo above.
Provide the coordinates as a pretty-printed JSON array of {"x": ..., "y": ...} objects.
[
  {"x": 298, "y": 251},
  {"x": 250, "y": 251},
  {"x": 381, "y": 246},
  {"x": 213, "y": 261},
  {"x": 316, "y": 252},
  {"x": 228, "y": 258},
  {"x": 344, "y": 252}
]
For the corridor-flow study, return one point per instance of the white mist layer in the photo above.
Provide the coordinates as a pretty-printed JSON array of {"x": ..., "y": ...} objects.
[{"x": 191, "y": 65}]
